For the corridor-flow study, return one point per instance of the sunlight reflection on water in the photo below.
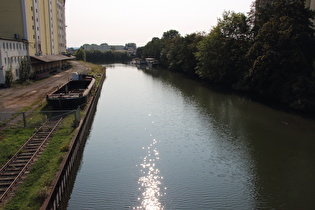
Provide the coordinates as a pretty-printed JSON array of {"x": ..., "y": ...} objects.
[{"x": 150, "y": 182}]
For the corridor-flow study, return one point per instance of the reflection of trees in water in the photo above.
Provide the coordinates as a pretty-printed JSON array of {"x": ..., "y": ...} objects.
[{"x": 276, "y": 147}]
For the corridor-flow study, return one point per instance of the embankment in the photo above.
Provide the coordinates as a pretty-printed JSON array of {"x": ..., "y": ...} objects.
[{"x": 64, "y": 175}]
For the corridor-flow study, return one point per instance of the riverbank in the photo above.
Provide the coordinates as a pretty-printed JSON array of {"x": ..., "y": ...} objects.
[
  {"x": 254, "y": 96},
  {"x": 36, "y": 187}
]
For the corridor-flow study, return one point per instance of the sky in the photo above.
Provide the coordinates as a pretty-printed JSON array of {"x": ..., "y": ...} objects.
[{"x": 117, "y": 22}]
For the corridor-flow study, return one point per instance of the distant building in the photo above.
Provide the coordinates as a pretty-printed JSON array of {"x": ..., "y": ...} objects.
[
  {"x": 310, "y": 4},
  {"x": 103, "y": 47},
  {"x": 38, "y": 24}
]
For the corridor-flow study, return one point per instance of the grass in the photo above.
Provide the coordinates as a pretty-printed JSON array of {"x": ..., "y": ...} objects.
[
  {"x": 95, "y": 70},
  {"x": 34, "y": 190},
  {"x": 12, "y": 140}
]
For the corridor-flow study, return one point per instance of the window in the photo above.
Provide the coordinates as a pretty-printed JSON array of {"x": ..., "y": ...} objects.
[
  {"x": 3, "y": 45},
  {"x": 10, "y": 46},
  {"x": 5, "y": 60},
  {"x": 16, "y": 73}
]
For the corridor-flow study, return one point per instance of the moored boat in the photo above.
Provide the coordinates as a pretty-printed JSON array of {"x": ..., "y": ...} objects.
[{"x": 73, "y": 94}]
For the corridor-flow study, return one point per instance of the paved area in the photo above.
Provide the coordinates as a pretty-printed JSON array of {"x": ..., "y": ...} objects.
[{"x": 17, "y": 98}]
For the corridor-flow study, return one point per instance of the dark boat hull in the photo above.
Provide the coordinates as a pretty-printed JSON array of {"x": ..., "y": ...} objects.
[
  {"x": 67, "y": 103},
  {"x": 72, "y": 95}
]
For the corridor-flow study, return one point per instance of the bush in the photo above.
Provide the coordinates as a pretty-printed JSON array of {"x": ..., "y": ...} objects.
[{"x": 8, "y": 77}]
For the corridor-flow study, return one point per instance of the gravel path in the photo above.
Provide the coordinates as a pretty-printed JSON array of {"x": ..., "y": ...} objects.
[{"x": 17, "y": 98}]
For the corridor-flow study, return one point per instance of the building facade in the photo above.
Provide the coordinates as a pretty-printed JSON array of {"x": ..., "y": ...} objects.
[
  {"x": 310, "y": 4},
  {"x": 11, "y": 54},
  {"x": 40, "y": 24},
  {"x": 104, "y": 47}
]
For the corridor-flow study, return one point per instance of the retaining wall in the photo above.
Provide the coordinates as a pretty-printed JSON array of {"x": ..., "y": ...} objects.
[{"x": 63, "y": 177}]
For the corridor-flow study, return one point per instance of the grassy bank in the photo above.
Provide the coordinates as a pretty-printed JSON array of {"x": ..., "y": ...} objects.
[{"x": 34, "y": 189}]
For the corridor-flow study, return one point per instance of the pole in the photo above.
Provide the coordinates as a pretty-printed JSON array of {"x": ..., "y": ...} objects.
[{"x": 24, "y": 119}]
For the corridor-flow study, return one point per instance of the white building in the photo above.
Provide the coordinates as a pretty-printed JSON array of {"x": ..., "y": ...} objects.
[
  {"x": 11, "y": 54},
  {"x": 104, "y": 47},
  {"x": 310, "y": 4}
]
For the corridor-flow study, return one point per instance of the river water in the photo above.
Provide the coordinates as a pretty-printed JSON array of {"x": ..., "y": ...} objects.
[{"x": 160, "y": 140}]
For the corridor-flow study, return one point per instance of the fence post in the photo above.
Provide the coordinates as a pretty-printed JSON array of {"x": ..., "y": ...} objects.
[
  {"x": 77, "y": 117},
  {"x": 24, "y": 119}
]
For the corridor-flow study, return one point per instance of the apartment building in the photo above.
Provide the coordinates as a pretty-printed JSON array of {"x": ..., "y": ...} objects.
[
  {"x": 38, "y": 24},
  {"x": 310, "y": 4}
]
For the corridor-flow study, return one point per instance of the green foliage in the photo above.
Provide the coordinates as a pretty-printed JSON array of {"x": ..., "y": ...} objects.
[
  {"x": 270, "y": 52},
  {"x": 80, "y": 54},
  {"x": 173, "y": 51},
  {"x": 171, "y": 34},
  {"x": 188, "y": 49},
  {"x": 9, "y": 77},
  {"x": 98, "y": 56},
  {"x": 282, "y": 53},
  {"x": 25, "y": 70},
  {"x": 151, "y": 50},
  {"x": 221, "y": 54}
]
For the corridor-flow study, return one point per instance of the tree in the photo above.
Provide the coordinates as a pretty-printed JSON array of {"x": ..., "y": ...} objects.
[
  {"x": 139, "y": 52},
  {"x": 170, "y": 34},
  {"x": 221, "y": 54},
  {"x": 152, "y": 49},
  {"x": 187, "y": 52},
  {"x": 9, "y": 77},
  {"x": 283, "y": 52},
  {"x": 80, "y": 54},
  {"x": 25, "y": 70}
]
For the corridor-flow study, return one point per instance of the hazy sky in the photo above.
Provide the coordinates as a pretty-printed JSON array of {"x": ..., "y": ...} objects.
[{"x": 118, "y": 22}]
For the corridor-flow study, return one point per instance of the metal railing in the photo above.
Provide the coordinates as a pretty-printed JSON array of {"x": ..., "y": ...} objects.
[{"x": 35, "y": 119}]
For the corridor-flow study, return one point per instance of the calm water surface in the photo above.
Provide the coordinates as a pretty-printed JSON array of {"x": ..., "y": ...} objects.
[{"x": 163, "y": 141}]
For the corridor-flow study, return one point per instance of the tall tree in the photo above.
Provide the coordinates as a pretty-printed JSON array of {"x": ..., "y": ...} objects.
[
  {"x": 153, "y": 48},
  {"x": 80, "y": 54},
  {"x": 170, "y": 34},
  {"x": 25, "y": 70},
  {"x": 221, "y": 55},
  {"x": 283, "y": 52}
]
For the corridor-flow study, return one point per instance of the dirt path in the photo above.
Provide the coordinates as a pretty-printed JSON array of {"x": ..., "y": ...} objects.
[{"x": 17, "y": 98}]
